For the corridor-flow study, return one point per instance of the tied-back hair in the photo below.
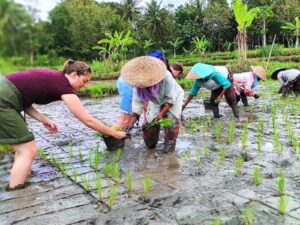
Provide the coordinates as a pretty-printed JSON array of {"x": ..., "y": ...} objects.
[
  {"x": 177, "y": 67},
  {"x": 76, "y": 66}
]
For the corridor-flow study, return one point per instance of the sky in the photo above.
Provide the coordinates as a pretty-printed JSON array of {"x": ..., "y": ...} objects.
[{"x": 45, "y": 6}]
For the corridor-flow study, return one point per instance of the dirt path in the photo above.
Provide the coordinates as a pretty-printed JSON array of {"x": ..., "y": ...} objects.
[{"x": 197, "y": 184}]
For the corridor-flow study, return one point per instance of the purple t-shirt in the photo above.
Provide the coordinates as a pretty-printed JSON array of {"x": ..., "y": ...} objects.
[{"x": 40, "y": 86}]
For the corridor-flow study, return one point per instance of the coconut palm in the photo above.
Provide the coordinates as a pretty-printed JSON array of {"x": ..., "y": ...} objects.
[
  {"x": 244, "y": 18},
  {"x": 294, "y": 27},
  {"x": 130, "y": 9}
]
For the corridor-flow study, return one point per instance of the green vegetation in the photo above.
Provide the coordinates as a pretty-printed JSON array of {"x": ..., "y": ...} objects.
[
  {"x": 248, "y": 215},
  {"x": 147, "y": 185}
]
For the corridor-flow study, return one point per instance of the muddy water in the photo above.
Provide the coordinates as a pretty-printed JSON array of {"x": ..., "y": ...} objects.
[{"x": 193, "y": 185}]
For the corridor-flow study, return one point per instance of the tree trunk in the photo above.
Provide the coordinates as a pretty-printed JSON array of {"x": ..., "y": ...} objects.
[
  {"x": 264, "y": 34},
  {"x": 31, "y": 57},
  {"x": 242, "y": 44}
]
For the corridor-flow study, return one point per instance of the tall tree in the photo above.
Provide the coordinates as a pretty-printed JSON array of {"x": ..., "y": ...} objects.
[
  {"x": 295, "y": 28},
  {"x": 265, "y": 12},
  {"x": 130, "y": 9}
]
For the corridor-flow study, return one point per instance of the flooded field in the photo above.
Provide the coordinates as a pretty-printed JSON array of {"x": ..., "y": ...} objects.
[{"x": 222, "y": 172}]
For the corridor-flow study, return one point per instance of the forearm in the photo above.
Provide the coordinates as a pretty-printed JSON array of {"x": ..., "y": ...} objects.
[
  {"x": 97, "y": 125},
  {"x": 189, "y": 98},
  {"x": 35, "y": 114},
  {"x": 165, "y": 109},
  {"x": 222, "y": 93}
]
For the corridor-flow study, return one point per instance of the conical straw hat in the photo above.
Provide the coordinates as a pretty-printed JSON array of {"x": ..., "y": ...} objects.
[
  {"x": 259, "y": 71},
  {"x": 143, "y": 71}
]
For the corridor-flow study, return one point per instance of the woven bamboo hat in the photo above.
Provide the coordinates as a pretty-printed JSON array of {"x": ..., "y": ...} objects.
[
  {"x": 259, "y": 71},
  {"x": 143, "y": 71}
]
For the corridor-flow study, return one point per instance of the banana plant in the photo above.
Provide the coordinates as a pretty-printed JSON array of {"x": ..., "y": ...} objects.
[
  {"x": 244, "y": 19},
  {"x": 175, "y": 44}
]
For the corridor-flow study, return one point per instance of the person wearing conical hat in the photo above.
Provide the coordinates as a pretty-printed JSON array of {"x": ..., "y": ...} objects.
[
  {"x": 208, "y": 77},
  {"x": 245, "y": 82},
  {"x": 288, "y": 79},
  {"x": 153, "y": 83}
]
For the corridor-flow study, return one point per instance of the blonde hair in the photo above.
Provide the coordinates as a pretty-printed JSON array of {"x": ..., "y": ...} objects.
[{"x": 76, "y": 66}]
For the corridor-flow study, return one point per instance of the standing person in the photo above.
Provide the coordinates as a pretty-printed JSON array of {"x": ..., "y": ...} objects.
[
  {"x": 19, "y": 91},
  {"x": 154, "y": 84},
  {"x": 208, "y": 77},
  {"x": 244, "y": 83},
  {"x": 289, "y": 80}
]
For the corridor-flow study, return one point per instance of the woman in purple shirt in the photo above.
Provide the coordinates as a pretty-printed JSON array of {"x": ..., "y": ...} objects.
[{"x": 18, "y": 91}]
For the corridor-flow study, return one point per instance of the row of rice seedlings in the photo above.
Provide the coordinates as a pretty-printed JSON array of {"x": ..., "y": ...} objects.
[
  {"x": 129, "y": 181},
  {"x": 99, "y": 187},
  {"x": 58, "y": 164},
  {"x": 205, "y": 150},
  {"x": 244, "y": 135},
  {"x": 70, "y": 149},
  {"x": 260, "y": 129},
  {"x": 218, "y": 130},
  {"x": 238, "y": 165},
  {"x": 248, "y": 215},
  {"x": 231, "y": 131},
  {"x": 257, "y": 178},
  {"x": 292, "y": 137},
  {"x": 222, "y": 153}
]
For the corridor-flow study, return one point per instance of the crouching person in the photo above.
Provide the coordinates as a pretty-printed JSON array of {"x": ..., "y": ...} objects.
[
  {"x": 208, "y": 77},
  {"x": 154, "y": 84},
  {"x": 289, "y": 80},
  {"x": 244, "y": 83}
]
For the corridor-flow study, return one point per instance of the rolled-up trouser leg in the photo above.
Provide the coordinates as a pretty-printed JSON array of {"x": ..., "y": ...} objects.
[
  {"x": 244, "y": 99},
  {"x": 231, "y": 100}
]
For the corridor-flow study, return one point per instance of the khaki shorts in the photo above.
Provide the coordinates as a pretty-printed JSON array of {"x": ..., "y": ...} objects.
[{"x": 13, "y": 128}]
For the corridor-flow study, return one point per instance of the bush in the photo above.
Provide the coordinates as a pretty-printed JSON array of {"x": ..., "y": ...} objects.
[{"x": 265, "y": 51}]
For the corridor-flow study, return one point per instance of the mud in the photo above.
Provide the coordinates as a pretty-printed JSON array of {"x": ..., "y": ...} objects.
[{"x": 193, "y": 185}]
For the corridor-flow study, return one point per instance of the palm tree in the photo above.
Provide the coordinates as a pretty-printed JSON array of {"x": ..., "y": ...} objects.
[
  {"x": 155, "y": 21},
  {"x": 294, "y": 27},
  {"x": 244, "y": 18},
  {"x": 130, "y": 9},
  {"x": 265, "y": 12}
]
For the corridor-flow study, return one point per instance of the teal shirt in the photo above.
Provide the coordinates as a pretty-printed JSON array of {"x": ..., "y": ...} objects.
[{"x": 212, "y": 82}]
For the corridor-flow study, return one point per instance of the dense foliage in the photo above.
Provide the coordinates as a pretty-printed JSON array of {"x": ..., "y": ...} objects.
[{"x": 75, "y": 27}]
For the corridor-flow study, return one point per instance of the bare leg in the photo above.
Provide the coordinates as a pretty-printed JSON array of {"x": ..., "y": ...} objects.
[{"x": 25, "y": 153}]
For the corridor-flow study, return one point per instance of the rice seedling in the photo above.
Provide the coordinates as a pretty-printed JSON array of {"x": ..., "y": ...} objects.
[
  {"x": 281, "y": 182},
  {"x": 248, "y": 215},
  {"x": 258, "y": 140},
  {"x": 86, "y": 184},
  {"x": 116, "y": 172},
  {"x": 205, "y": 150},
  {"x": 71, "y": 151},
  {"x": 264, "y": 107},
  {"x": 111, "y": 196},
  {"x": 147, "y": 185},
  {"x": 260, "y": 125},
  {"x": 42, "y": 154},
  {"x": 99, "y": 187},
  {"x": 197, "y": 156},
  {"x": 244, "y": 135},
  {"x": 238, "y": 165},
  {"x": 129, "y": 181},
  {"x": 108, "y": 168},
  {"x": 90, "y": 157},
  {"x": 231, "y": 130},
  {"x": 277, "y": 145},
  {"x": 117, "y": 156},
  {"x": 218, "y": 130},
  {"x": 257, "y": 178},
  {"x": 96, "y": 160},
  {"x": 74, "y": 175},
  {"x": 283, "y": 202},
  {"x": 80, "y": 156},
  {"x": 208, "y": 122},
  {"x": 186, "y": 155},
  {"x": 222, "y": 153},
  {"x": 217, "y": 221}
]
